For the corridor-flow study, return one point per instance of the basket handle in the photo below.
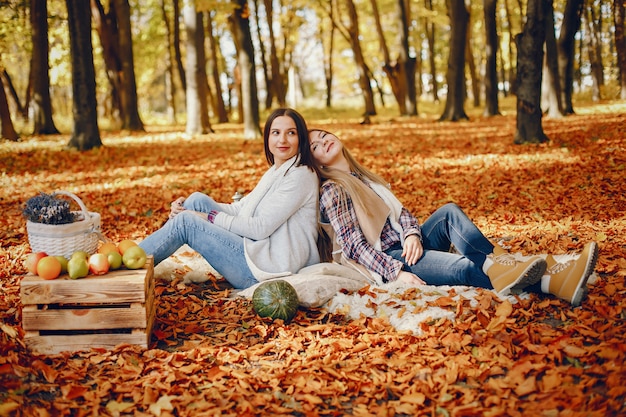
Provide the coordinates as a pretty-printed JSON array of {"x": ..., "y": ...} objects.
[{"x": 75, "y": 198}]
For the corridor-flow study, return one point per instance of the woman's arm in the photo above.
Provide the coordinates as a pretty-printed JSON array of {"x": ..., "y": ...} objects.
[{"x": 354, "y": 245}]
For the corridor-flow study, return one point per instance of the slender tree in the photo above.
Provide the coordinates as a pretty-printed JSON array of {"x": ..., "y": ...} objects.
[
  {"x": 551, "y": 86},
  {"x": 240, "y": 26},
  {"x": 214, "y": 71},
  {"x": 492, "y": 107},
  {"x": 565, "y": 49},
  {"x": 197, "y": 109},
  {"x": 459, "y": 18},
  {"x": 128, "y": 93},
  {"x": 42, "y": 105},
  {"x": 170, "y": 85},
  {"x": 430, "y": 37},
  {"x": 350, "y": 31},
  {"x": 619, "y": 19},
  {"x": 401, "y": 73},
  {"x": 178, "y": 56},
  {"x": 529, "y": 72},
  {"x": 278, "y": 78},
  {"x": 594, "y": 48},
  {"x": 85, "y": 134}
]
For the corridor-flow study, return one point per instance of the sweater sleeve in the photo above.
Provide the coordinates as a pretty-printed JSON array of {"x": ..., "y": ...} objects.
[
  {"x": 340, "y": 213},
  {"x": 290, "y": 192}
]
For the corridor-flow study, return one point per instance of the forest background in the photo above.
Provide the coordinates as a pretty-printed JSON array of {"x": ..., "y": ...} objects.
[{"x": 211, "y": 354}]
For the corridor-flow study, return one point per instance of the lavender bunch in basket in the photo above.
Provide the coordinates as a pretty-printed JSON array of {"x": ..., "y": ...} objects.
[{"x": 48, "y": 209}]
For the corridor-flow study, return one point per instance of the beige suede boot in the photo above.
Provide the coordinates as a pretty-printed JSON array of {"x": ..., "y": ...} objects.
[
  {"x": 506, "y": 272},
  {"x": 568, "y": 280}
]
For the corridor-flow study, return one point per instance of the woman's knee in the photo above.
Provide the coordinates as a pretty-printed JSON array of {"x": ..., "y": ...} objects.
[{"x": 194, "y": 197}]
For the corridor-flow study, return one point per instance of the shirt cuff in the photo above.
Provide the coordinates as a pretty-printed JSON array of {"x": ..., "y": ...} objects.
[{"x": 211, "y": 216}]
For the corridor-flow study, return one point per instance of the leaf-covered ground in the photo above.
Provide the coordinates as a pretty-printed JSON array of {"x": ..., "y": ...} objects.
[{"x": 211, "y": 355}]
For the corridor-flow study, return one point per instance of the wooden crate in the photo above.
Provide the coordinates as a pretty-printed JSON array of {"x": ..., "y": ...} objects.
[{"x": 96, "y": 311}]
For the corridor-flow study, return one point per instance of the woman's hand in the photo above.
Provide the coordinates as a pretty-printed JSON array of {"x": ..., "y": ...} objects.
[
  {"x": 412, "y": 250},
  {"x": 177, "y": 206},
  {"x": 409, "y": 278}
]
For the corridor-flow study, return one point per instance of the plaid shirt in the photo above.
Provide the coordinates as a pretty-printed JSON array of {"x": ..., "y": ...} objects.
[{"x": 353, "y": 243}]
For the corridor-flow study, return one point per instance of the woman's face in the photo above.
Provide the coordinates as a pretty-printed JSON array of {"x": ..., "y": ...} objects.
[
  {"x": 283, "y": 139},
  {"x": 325, "y": 147}
]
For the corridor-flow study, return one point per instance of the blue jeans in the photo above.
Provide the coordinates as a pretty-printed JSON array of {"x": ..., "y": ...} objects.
[
  {"x": 222, "y": 249},
  {"x": 447, "y": 226}
]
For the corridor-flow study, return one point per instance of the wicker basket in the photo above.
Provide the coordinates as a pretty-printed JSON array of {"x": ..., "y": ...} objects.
[{"x": 65, "y": 239}]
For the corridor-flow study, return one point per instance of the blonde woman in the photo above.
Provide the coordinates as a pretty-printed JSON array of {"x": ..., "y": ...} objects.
[{"x": 376, "y": 234}]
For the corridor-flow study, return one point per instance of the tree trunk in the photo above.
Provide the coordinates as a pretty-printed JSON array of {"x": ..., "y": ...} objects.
[
  {"x": 594, "y": 48},
  {"x": 529, "y": 63},
  {"x": 213, "y": 68},
  {"x": 202, "y": 82},
  {"x": 471, "y": 67},
  {"x": 278, "y": 73},
  {"x": 619, "y": 19},
  {"x": 42, "y": 105},
  {"x": 170, "y": 85},
  {"x": 240, "y": 25},
  {"x": 359, "y": 58},
  {"x": 86, "y": 134},
  {"x": 550, "y": 87},
  {"x": 106, "y": 24},
  {"x": 459, "y": 17},
  {"x": 565, "y": 49},
  {"x": 328, "y": 56},
  {"x": 492, "y": 107},
  {"x": 430, "y": 36},
  {"x": 194, "y": 108},
  {"x": 512, "y": 51},
  {"x": 128, "y": 93},
  {"x": 23, "y": 112},
  {"x": 178, "y": 56},
  {"x": 269, "y": 92},
  {"x": 6, "y": 124}
]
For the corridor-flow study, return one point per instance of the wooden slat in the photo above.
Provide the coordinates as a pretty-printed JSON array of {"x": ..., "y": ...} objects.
[
  {"x": 50, "y": 345},
  {"x": 98, "y": 317},
  {"x": 119, "y": 286}
]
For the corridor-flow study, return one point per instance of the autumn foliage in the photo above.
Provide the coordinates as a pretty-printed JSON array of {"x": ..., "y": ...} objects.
[{"x": 211, "y": 354}]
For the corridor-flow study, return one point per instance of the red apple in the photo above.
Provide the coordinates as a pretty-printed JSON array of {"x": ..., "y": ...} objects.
[
  {"x": 98, "y": 264},
  {"x": 31, "y": 261}
]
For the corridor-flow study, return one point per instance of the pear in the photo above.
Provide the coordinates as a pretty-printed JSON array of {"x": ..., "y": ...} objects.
[
  {"x": 80, "y": 254},
  {"x": 63, "y": 262},
  {"x": 77, "y": 267}
]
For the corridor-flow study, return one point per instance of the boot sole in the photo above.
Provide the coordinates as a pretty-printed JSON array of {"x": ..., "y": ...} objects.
[
  {"x": 531, "y": 275},
  {"x": 581, "y": 288}
]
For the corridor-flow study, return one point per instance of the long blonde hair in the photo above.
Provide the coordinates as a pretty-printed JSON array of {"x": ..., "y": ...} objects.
[{"x": 349, "y": 185}]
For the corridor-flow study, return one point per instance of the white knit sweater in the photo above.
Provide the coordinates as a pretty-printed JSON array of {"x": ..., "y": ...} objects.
[{"x": 278, "y": 221}]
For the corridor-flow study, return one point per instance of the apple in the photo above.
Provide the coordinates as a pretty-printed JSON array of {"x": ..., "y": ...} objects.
[
  {"x": 134, "y": 257},
  {"x": 108, "y": 247},
  {"x": 98, "y": 264},
  {"x": 125, "y": 244},
  {"x": 32, "y": 259},
  {"x": 77, "y": 267},
  {"x": 115, "y": 259},
  {"x": 48, "y": 267},
  {"x": 63, "y": 261}
]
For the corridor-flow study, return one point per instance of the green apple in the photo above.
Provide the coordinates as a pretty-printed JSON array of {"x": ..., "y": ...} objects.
[
  {"x": 115, "y": 260},
  {"x": 63, "y": 262},
  {"x": 77, "y": 267},
  {"x": 134, "y": 257}
]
